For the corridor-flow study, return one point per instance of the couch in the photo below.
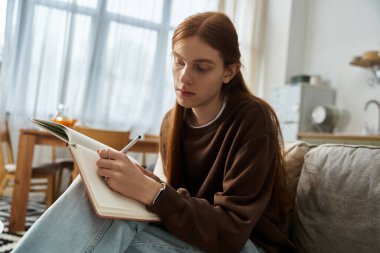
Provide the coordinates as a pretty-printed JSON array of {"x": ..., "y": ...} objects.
[{"x": 335, "y": 197}]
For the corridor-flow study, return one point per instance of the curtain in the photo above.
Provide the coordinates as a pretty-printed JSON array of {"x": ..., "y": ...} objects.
[
  {"x": 249, "y": 19},
  {"x": 107, "y": 61}
]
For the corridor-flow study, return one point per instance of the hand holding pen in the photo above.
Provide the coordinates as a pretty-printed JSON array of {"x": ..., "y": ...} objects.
[
  {"x": 126, "y": 148},
  {"x": 123, "y": 175},
  {"x": 124, "y": 151}
]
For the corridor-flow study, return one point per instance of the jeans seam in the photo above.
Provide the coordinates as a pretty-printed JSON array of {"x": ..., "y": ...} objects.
[
  {"x": 106, "y": 224},
  {"x": 173, "y": 247}
]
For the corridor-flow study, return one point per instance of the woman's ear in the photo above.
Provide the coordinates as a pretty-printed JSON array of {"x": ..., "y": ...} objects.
[{"x": 230, "y": 71}]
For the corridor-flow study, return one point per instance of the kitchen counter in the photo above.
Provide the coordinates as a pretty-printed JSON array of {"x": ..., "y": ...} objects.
[{"x": 342, "y": 138}]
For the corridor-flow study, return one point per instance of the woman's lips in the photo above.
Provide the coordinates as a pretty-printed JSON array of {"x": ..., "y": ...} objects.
[{"x": 185, "y": 93}]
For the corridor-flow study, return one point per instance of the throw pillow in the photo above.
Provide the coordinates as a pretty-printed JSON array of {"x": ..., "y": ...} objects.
[
  {"x": 294, "y": 157},
  {"x": 294, "y": 153},
  {"x": 338, "y": 200}
]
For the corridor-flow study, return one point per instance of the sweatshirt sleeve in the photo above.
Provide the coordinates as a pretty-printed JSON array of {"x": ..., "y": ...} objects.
[{"x": 226, "y": 224}]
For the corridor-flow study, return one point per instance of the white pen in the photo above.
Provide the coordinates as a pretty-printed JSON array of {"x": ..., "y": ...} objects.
[{"x": 133, "y": 142}]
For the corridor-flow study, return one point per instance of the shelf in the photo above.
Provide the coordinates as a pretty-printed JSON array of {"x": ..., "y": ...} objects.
[
  {"x": 341, "y": 138},
  {"x": 373, "y": 64},
  {"x": 365, "y": 63}
]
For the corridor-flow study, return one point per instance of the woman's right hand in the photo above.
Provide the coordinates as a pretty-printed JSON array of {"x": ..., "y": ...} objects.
[{"x": 126, "y": 178}]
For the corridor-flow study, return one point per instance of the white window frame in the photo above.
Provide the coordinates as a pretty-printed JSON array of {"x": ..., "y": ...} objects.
[{"x": 163, "y": 29}]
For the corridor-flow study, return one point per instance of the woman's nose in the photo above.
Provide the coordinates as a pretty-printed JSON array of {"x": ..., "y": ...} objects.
[{"x": 185, "y": 76}]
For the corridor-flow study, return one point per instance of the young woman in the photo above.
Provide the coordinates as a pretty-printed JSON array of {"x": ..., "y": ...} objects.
[{"x": 221, "y": 151}]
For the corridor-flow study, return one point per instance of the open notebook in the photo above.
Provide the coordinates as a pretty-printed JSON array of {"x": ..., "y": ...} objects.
[{"x": 105, "y": 201}]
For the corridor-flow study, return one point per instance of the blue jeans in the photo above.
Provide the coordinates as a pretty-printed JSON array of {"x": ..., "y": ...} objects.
[{"x": 70, "y": 225}]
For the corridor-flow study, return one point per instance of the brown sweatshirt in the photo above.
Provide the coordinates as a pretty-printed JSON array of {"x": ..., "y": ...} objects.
[{"x": 227, "y": 175}]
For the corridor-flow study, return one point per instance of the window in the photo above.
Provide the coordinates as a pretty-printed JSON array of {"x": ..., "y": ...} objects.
[
  {"x": 3, "y": 9},
  {"x": 108, "y": 60}
]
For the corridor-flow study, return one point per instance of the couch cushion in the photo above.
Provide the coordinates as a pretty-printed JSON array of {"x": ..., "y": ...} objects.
[{"x": 338, "y": 200}]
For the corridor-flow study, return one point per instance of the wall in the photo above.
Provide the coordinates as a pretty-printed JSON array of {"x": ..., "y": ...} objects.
[
  {"x": 322, "y": 37},
  {"x": 275, "y": 46}
]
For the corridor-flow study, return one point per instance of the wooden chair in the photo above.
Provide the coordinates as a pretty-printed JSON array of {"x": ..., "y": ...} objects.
[
  {"x": 113, "y": 138},
  {"x": 45, "y": 173},
  {"x": 149, "y": 137}
]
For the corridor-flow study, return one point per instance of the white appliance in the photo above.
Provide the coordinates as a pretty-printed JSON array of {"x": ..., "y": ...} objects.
[{"x": 294, "y": 105}]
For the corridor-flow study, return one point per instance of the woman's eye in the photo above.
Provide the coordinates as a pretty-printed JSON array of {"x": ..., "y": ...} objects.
[
  {"x": 201, "y": 68},
  {"x": 179, "y": 62}
]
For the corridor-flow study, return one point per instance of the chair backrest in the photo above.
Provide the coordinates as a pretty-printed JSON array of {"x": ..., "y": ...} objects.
[
  {"x": 114, "y": 138},
  {"x": 151, "y": 137},
  {"x": 6, "y": 153},
  {"x": 5, "y": 140}
]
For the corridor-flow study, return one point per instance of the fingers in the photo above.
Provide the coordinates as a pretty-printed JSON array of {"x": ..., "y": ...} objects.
[
  {"x": 117, "y": 162},
  {"x": 108, "y": 156},
  {"x": 105, "y": 172},
  {"x": 108, "y": 153},
  {"x": 111, "y": 154}
]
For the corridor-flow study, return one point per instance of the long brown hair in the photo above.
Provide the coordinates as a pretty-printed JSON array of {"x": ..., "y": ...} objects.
[{"x": 217, "y": 30}]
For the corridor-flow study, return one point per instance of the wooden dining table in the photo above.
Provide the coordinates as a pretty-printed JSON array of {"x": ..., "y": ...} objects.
[{"x": 28, "y": 139}]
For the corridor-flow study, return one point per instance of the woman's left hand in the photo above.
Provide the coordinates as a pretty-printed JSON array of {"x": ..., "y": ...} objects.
[{"x": 125, "y": 177}]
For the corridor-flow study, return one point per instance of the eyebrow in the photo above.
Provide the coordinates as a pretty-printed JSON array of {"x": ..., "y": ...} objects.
[{"x": 201, "y": 60}]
